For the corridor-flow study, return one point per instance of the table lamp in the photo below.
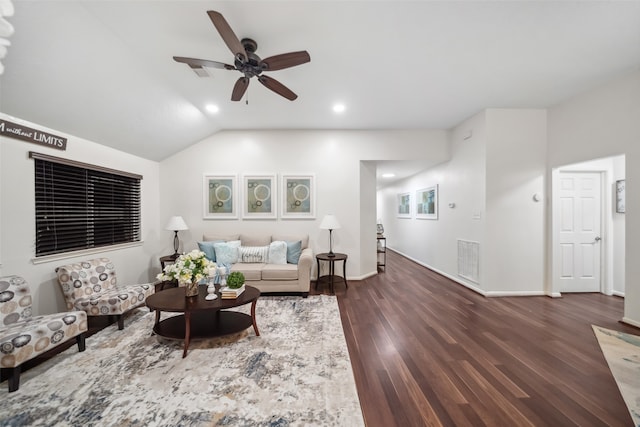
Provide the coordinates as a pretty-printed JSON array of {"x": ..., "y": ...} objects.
[
  {"x": 175, "y": 224},
  {"x": 330, "y": 222}
]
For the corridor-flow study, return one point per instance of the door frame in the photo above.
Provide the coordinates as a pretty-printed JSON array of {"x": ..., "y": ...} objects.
[{"x": 606, "y": 248}]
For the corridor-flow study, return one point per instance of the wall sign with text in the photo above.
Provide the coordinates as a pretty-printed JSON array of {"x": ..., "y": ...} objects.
[{"x": 24, "y": 133}]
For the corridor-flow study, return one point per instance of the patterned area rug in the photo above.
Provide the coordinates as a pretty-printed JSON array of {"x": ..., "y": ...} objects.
[
  {"x": 622, "y": 352},
  {"x": 297, "y": 372}
]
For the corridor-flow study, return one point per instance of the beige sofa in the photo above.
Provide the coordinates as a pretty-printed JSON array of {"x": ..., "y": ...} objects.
[{"x": 280, "y": 278}]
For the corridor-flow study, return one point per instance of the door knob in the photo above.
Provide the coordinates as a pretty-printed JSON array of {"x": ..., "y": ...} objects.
[{"x": 598, "y": 239}]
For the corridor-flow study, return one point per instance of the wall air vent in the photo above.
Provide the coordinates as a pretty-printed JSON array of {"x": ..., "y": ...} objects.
[{"x": 469, "y": 260}]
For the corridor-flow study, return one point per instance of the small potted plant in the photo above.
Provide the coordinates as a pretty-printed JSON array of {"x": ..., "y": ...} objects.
[{"x": 235, "y": 280}]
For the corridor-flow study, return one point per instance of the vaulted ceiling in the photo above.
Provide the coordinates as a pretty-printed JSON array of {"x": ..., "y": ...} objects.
[{"x": 103, "y": 70}]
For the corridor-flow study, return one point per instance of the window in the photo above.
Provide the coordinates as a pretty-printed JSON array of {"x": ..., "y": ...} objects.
[{"x": 81, "y": 206}]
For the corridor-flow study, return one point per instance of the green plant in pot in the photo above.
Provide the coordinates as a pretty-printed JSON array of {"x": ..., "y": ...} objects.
[{"x": 235, "y": 280}]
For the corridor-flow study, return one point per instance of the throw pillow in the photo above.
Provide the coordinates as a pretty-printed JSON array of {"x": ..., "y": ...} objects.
[
  {"x": 253, "y": 254},
  {"x": 294, "y": 249},
  {"x": 208, "y": 249},
  {"x": 278, "y": 252},
  {"x": 227, "y": 253}
]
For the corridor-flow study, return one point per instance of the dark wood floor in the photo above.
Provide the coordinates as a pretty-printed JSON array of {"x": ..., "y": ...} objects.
[{"x": 429, "y": 352}]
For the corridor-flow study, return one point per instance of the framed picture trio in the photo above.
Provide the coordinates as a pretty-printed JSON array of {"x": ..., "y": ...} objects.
[{"x": 258, "y": 196}]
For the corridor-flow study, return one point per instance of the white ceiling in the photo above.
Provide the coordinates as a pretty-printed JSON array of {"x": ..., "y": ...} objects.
[{"x": 103, "y": 70}]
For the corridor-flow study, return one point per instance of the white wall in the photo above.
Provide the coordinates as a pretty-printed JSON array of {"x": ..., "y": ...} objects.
[
  {"x": 368, "y": 242},
  {"x": 17, "y": 223},
  {"x": 333, "y": 156},
  {"x": 491, "y": 179},
  {"x": 514, "y": 246},
  {"x": 460, "y": 180},
  {"x": 601, "y": 123},
  {"x": 618, "y": 232}
]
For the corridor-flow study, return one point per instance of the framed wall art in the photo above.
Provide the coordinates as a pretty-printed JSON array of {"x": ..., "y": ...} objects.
[
  {"x": 427, "y": 203},
  {"x": 220, "y": 197},
  {"x": 259, "y": 200},
  {"x": 298, "y": 197},
  {"x": 404, "y": 205},
  {"x": 620, "y": 196}
]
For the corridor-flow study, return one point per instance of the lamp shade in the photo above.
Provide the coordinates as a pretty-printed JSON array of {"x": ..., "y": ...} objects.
[
  {"x": 176, "y": 223},
  {"x": 329, "y": 222}
]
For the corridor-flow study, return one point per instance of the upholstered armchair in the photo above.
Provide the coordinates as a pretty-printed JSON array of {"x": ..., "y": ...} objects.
[
  {"x": 23, "y": 336},
  {"x": 91, "y": 286}
]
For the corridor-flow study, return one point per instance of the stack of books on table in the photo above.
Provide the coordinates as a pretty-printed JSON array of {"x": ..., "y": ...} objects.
[{"x": 228, "y": 293}]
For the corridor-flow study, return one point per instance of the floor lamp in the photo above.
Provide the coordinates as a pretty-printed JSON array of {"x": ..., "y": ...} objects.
[{"x": 330, "y": 222}]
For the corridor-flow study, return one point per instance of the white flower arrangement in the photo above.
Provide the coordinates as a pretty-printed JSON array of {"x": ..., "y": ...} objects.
[{"x": 189, "y": 268}]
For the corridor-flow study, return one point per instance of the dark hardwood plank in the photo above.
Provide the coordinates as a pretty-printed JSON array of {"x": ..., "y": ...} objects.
[{"x": 427, "y": 351}]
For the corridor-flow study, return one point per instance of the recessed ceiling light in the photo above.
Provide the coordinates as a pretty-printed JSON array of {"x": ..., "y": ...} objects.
[
  {"x": 212, "y": 108},
  {"x": 388, "y": 175},
  {"x": 339, "y": 108}
]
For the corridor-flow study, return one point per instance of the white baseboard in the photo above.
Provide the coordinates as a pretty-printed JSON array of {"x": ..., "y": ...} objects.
[
  {"x": 473, "y": 287},
  {"x": 356, "y": 278},
  {"x": 631, "y": 322},
  {"x": 618, "y": 294},
  {"x": 515, "y": 294},
  {"x": 455, "y": 279},
  {"x": 363, "y": 276}
]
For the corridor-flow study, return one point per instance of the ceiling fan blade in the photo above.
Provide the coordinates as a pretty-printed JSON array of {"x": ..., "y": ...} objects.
[
  {"x": 228, "y": 35},
  {"x": 240, "y": 88},
  {"x": 277, "y": 87},
  {"x": 285, "y": 60},
  {"x": 198, "y": 63}
]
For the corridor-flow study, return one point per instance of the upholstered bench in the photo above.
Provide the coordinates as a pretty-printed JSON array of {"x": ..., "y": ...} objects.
[{"x": 23, "y": 336}]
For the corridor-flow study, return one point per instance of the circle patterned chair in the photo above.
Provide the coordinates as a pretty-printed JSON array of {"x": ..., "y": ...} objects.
[
  {"x": 92, "y": 286},
  {"x": 24, "y": 336}
]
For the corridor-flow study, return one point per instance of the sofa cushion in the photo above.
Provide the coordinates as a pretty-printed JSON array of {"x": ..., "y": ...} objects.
[
  {"x": 253, "y": 254},
  {"x": 114, "y": 301},
  {"x": 251, "y": 270},
  {"x": 280, "y": 272},
  {"x": 208, "y": 249},
  {"x": 253, "y": 240},
  {"x": 29, "y": 337},
  {"x": 222, "y": 237},
  {"x": 278, "y": 252},
  {"x": 294, "y": 249},
  {"x": 304, "y": 238},
  {"x": 227, "y": 253}
]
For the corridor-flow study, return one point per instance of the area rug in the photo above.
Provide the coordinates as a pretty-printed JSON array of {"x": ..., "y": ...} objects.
[
  {"x": 297, "y": 372},
  {"x": 622, "y": 352}
]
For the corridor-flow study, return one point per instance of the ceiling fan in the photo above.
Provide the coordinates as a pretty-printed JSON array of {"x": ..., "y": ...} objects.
[{"x": 247, "y": 62}]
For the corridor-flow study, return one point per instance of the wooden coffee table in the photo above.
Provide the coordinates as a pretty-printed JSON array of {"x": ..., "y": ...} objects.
[{"x": 201, "y": 319}]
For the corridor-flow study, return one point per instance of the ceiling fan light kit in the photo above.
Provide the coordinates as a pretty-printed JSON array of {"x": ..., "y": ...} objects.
[{"x": 247, "y": 61}]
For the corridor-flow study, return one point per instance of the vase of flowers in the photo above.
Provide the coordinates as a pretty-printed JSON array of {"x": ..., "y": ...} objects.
[{"x": 188, "y": 270}]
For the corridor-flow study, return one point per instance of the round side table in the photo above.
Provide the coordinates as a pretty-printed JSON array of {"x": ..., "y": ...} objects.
[{"x": 331, "y": 276}]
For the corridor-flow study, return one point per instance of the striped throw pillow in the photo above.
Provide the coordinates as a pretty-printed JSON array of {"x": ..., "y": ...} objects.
[{"x": 254, "y": 253}]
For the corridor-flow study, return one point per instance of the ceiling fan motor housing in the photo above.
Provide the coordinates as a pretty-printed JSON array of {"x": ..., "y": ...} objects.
[
  {"x": 252, "y": 67},
  {"x": 250, "y": 45}
]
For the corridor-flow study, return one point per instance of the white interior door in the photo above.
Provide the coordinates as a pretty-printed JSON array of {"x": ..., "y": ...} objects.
[{"x": 579, "y": 231}]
